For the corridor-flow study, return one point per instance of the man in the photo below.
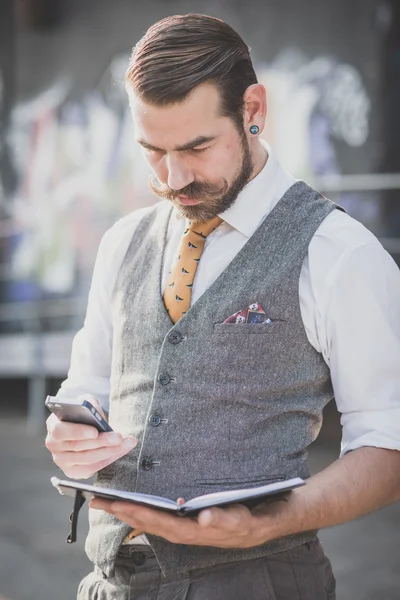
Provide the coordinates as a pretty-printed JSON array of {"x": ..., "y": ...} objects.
[{"x": 201, "y": 400}]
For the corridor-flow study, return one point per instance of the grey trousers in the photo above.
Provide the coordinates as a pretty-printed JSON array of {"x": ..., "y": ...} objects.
[{"x": 302, "y": 573}]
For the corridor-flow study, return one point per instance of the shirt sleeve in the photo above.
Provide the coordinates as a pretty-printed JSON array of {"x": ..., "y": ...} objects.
[
  {"x": 90, "y": 365},
  {"x": 363, "y": 339}
]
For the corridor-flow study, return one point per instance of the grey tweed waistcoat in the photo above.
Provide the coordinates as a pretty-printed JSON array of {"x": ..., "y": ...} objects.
[{"x": 214, "y": 406}]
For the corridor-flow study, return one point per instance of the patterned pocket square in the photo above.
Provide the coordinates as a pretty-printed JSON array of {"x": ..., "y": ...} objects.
[{"x": 253, "y": 314}]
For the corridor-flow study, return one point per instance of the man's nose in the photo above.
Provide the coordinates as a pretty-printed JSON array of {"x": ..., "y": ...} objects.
[{"x": 179, "y": 175}]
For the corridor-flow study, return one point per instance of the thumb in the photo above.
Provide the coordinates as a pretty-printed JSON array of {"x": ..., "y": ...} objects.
[{"x": 95, "y": 403}]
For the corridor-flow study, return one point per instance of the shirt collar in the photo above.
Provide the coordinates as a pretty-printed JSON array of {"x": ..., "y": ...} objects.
[{"x": 257, "y": 198}]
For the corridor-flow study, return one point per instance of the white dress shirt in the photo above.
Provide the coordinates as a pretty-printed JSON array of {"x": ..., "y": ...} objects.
[{"x": 349, "y": 291}]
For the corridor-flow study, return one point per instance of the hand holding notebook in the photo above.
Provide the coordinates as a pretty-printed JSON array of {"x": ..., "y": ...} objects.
[{"x": 249, "y": 497}]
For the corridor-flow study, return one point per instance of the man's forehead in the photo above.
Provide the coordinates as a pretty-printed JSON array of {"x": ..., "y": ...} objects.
[{"x": 196, "y": 116}]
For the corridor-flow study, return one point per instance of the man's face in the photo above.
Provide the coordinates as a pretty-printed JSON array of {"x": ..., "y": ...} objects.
[{"x": 200, "y": 159}]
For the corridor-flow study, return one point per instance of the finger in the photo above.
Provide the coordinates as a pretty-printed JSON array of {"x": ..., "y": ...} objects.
[
  {"x": 160, "y": 523},
  {"x": 208, "y": 518},
  {"x": 92, "y": 457},
  {"x": 50, "y": 422},
  {"x": 229, "y": 518},
  {"x": 127, "y": 511},
  {"x": 105, "y": 505},
  {"x": 95, "y": 403},
  {"x": 104, "y": 440},
  {"x": 86, "y": 471},
  {"x": 63, "y": 431},
  {"x": 101, "y": 504}
]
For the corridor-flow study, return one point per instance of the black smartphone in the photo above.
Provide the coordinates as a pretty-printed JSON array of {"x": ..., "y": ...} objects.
[{"x": 77, "y": 410}]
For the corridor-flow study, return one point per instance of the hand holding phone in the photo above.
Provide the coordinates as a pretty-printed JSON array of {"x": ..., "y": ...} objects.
[{"x": 78, "y": 448}]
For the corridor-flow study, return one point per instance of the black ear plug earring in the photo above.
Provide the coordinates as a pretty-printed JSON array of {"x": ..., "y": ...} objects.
[{"x": 254, "y": 129}]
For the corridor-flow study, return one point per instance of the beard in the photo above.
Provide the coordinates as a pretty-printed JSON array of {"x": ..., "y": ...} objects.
[{"x": 214, "y": 199}]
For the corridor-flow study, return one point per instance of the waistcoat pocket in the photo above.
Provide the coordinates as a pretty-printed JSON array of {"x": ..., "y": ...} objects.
[{"x": 249, "y": 328}]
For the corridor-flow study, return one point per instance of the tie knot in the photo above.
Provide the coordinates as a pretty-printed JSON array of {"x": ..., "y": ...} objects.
[{"x": 204, "y": 229}]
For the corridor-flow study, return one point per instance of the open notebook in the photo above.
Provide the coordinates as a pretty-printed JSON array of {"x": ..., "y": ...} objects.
[{"x": 244, "y": 496}]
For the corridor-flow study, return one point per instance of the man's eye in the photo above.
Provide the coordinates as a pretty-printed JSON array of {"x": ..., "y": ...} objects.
[
  {"x": 152, "y": 154},
  {"x": 198, "y": 150}
]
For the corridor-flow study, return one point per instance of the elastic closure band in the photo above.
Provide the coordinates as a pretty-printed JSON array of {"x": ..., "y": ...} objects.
[{"x": 73, "y": 518}]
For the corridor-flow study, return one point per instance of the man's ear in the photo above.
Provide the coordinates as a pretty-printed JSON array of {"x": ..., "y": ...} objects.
[{"x": 255, "y": 107}]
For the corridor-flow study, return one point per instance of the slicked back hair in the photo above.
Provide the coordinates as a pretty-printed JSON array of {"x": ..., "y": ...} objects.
[{"x": 180, "y": 52}]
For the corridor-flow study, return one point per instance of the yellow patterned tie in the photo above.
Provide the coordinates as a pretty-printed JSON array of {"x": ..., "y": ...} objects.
[{"x": 178, "y": 289}]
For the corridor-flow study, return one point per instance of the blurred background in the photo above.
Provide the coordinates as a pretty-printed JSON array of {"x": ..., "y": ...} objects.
[{"x": 69, "y": 167}]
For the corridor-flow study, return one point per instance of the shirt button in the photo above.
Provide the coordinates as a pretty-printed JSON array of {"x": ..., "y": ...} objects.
[
  {"x": 175, "y": 337},
  {"x": 147, "y": 464},
  {"x": 164, "y": 378},
  {"x": 154, "y": 420}
]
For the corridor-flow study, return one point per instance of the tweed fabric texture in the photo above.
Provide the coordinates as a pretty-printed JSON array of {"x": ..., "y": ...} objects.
[
  {"x": 178, "y": 289},
  {"x": 239, "y": 404}
]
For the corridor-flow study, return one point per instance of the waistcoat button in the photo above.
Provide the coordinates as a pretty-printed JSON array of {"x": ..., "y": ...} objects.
[
  {"x": 154, "y": 420},
  {"x": 164, "y": 378},
  {"x": 175, "y": 337},
  {"x": 147, "y": 464}
]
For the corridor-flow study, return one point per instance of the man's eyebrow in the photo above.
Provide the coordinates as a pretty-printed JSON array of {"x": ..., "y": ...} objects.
[{"x": 202, "y": 139}]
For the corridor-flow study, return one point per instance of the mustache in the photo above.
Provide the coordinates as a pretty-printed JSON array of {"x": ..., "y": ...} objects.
[{"x": 195, "y": 190}]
